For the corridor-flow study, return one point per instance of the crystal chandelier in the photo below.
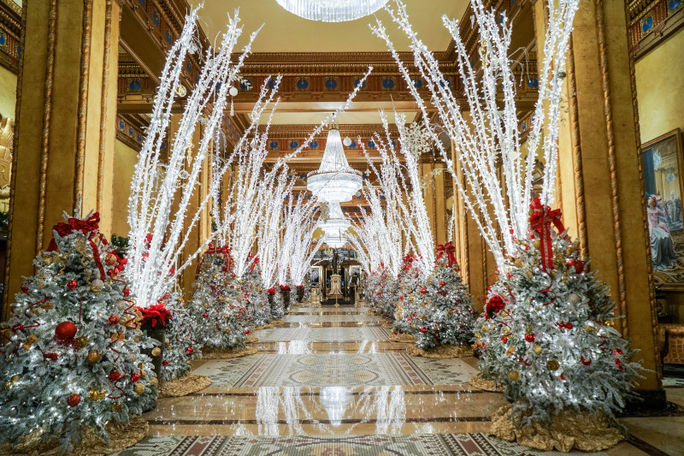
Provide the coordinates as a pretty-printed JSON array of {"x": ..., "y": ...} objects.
[
  {"x": 332, "y": 10},
  {"x": 335, "y": 180}
]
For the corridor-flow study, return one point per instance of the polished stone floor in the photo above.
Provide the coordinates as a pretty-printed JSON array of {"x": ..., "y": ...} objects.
[{"x": 329, "y": 381}]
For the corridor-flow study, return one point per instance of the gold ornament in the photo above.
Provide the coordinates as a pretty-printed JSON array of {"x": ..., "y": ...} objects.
[
  {"x": 514, "y": 375},
  {"x": 139, "y": 388},
  {"x": 553, "y": 364},
  {"x": 82, "y": 341},
  {"x": 536, "y": 244},
  {"x": 8, "y": 385},
  {"x": 143, "y": 373},
  {"x": 166, "y": 340},
  {"x": 154, "y": 380},
  {"x": 506, "y": 330},
  {"x": 93, "y": 356},
  {"x": 32, "y": 339},
  {"x": 117, "y": 407},
  {"x": 537, "y": 349},
  {"x": 96, "y": 395},
  {"x": 14, "y": 378},
  {"x": 26, "y": 346},
  {"x": 510, "y": 350},
  {"x": 485, "y": 328},
  {"x": 156, "y": 351},
  {"x": 227, "y": 331},
  {"x": 110, "y": 259}
]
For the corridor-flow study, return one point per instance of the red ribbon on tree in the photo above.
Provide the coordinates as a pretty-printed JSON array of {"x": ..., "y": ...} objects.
[
  {"x": 449, "y": 249},
  {"x": 225, "y": 251},
  {"x": 541, "y": 219}
]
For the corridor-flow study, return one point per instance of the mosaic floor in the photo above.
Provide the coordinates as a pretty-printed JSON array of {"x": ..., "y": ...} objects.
[{"x": 329, "y": 382}]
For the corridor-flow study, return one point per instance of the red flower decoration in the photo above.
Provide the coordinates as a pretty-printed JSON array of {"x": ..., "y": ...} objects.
[
  {"x": 530, "y": 337},
  {"x": 113, "y": 319},
  {"x": 285, "y": 287},
  {"x": 271, "y": 291},
  {"x": 495, "y": 304},
  {"x": 154, "y": 315},
  {"x": 71, "y": 284},
  {"x": 115, "y": 376},
  {"x": 135, "y": 377}
]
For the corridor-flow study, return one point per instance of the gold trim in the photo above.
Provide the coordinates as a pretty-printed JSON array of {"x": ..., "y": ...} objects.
[
  {"x": 612, "y": 163},
  {"x": 577, "y": 155},
  {"x": 104, "y": 103},
  {"x": 47, "y": 117},
  {"x": 82, "y": 104}
]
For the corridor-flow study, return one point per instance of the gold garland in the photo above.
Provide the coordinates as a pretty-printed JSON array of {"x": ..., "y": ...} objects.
[
  {"x": 121, "y": 436},
  {"x": 208, "y": 353},
  {"x": 252, "y": 339},
  {"x": 402, "y": 338},
  {"x": 189, "y": 384},
  {"x": 569, "y": 429},
  {"x": 266, "y": 326},
  {"x": 443, "y": 351},
  {"x": 478, "y": 382}
]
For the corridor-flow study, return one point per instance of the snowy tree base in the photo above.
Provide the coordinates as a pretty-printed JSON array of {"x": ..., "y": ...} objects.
[
  {"x": 569, "y": 430},
  {"x": 478, "y": 382},
  {"x": 403, "y": 338},
  {"x": 443, "y": 351},
  {"x": 209, "y": 353},
  {"x": 183, "y": 386},
  {"x": 252, "y": 339},
  {"x": 121, "y": 436}
]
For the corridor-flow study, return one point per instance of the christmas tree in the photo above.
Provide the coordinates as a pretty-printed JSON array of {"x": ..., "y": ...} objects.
[
  {"x": 217, "y": 312},
  {"x": 72, "y": 355},
  {"x": 440, "y": 311},
  {"x": 546, "y": 333},
  {"x": 255, "y": 300},
  {"x": 181, "y": 343}
]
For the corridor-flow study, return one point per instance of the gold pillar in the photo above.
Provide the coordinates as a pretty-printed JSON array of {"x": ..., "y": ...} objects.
[
  {"x": 476, "y": 262},
  {"x": 64, "y": 138},
  {"x": 441, "y": 222},
  {"x": 601, "y": 178},
  {"x": 425, "y": 170}
]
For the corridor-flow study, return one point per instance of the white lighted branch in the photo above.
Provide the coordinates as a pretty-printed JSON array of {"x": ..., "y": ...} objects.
[
  {"x": 497, "y": 167},
  {"x": 161, "y": 215}
]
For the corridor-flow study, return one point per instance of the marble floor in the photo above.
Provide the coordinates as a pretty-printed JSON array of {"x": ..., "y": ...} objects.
[{"x": 329, "y": 381}]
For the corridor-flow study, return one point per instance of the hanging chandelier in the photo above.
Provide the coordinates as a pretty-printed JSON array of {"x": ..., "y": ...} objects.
[
  {"x": 332, "y": 10},
  {"x": 335, "y": 180}
]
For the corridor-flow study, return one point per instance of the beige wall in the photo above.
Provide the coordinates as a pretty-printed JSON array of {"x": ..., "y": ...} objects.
[
  {"x": 8, "y": 92},
  {"x": 124, "y": 165},
  {"x": 660, "y": 88}
]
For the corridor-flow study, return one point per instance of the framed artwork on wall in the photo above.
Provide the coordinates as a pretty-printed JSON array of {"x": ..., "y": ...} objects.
[{"x": 663, "y": 166}]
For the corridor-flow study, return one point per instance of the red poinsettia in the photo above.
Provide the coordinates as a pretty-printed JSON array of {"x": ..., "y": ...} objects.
[
  {"x": 154, "y": 315},
  {"x": 494, "y": 305},
  {"x": 271, "y": 291},
  {"x": 285, "y": 287}
]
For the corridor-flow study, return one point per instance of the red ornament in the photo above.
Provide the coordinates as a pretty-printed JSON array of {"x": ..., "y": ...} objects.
[
  {"x": 579, "y": 266},
  {"x": 414, "y": 314},
  {"x": 586, "y": 362},
  {"x": 246, "y": 331},
  {"x": 442, "y": 283},
  {"x": 570, "y": 262},
  {"x": 71, "y": 284},
  {"x": 135, "y": 377},
  {"x": 113, "y": 319},
  {"x": 568, "y": 325},
  {"x": 530, "y": 337},
  {"x": 73, "y": 400},
  {"x": 504, "y": 339},
  {"x": 423, "y": 330},
  {"x": 205, "y": 314},
  {"x": 126, "y": 291},
  {"x": 423, "y": 290},
  {"x": 189, "y": 350},
  {"x": 562, "y": 376},
  {"x": 165, "y": 363},
  {"x": 51, "y": 356},
  {"x": 65, "y": 331},
  {"x": 115, "y": 376}
]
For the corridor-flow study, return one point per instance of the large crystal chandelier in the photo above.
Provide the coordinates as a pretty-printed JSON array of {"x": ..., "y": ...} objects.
[
  {"x": 335, "y": 180},
  {"x": 332, "y": 10}
]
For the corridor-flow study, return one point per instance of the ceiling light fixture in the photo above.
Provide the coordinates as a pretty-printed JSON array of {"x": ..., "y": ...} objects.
[
  {"x": 335, "y": 180},
  {"x": 332, "y": 10}
]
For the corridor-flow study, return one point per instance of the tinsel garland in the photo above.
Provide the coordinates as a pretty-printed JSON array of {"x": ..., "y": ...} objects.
[
  {"x": 568, "y": 430},
  {"x": 477, "y": 382}
]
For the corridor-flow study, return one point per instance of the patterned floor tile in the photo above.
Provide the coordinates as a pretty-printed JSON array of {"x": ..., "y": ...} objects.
[
  {"x": 323, "y": 334},
  {"x": 370, "y": 445}
]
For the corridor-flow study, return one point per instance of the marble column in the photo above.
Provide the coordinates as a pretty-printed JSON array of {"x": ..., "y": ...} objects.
[
  {"x": 65, "y": 136},
  {"x": 601, "y": 179}
]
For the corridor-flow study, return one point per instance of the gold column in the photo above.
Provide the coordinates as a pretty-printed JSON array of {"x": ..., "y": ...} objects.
[
  {"x": 441, "y": 222},
  {"x": 425, "y": 170},
  {"x": 601, "y": 188},
  {"x": 64, "y": 138}
]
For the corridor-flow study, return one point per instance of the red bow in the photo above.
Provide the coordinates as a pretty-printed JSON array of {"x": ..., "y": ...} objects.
[
  {"x": 540, "y": 221},
  {"x": 155, "y": 314},
  {"x": 89, "y": 226},
  {"x": 449, "y": 249},
  {"x": 225, "y": 250}
]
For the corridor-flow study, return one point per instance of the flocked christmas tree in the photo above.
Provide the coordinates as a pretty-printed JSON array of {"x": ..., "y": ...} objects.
[
  {"x": 547, "y": 334},
  {"x": 73, "y": 356},
  {"x": 440, "y": 311},
  {"x": 219, "y": 317},
  {"x": 182, "y": 342}
]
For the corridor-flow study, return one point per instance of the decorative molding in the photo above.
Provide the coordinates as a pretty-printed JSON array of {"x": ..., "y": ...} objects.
[
  {"x": 130, "y": 130},
  {"x": 651, "y": 22},
  {"x": 10, "y": 35}
]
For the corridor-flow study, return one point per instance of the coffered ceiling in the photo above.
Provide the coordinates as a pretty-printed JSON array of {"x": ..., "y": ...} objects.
[{"x": 285, "y": 32}]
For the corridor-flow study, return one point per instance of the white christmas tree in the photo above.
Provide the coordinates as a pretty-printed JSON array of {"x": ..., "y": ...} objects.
[{"x": 73, "y": 355}]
